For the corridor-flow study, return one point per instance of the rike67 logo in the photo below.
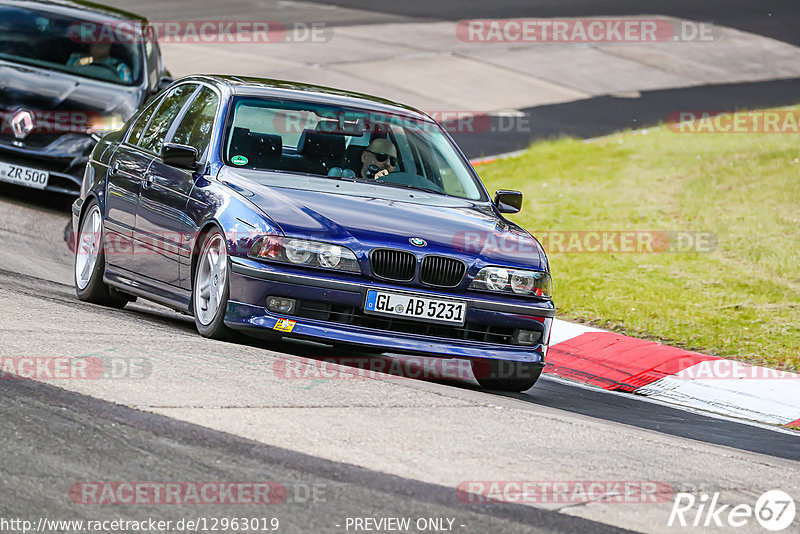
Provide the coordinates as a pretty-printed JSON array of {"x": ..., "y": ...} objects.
[{"x": 774, "y": 510}]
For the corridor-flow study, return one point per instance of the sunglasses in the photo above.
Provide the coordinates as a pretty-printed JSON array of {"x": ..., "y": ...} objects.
[{"x": 383, "y": 156}]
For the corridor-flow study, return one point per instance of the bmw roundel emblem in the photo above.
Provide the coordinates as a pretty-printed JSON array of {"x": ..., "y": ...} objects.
[{"x": 417, "y": 241}]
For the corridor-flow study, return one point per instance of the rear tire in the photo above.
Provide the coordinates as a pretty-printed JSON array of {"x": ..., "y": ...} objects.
[
  {"x": 503, "y": 375},
  {"x": 211, "y": 287},
  {"x": 90, "y": 262}
]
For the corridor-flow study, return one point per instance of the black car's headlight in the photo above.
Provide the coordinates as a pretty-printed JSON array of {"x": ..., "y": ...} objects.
[
  {"x": 305, "y": 252},
  {"x": 516, "y": 281},
  {"x": 100, "y": 125}
]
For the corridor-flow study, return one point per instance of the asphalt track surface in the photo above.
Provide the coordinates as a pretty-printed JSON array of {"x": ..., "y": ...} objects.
[
  {"x": 52, "y": 437},
  {"x": 595, "y": 117},
  {"x": 776, "y": 19}
]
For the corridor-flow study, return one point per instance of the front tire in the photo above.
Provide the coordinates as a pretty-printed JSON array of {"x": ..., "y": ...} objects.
[
  {"x": 211, "y": 287},
  {"x": 503, "y": 375},
  {"x": 90, "y": 262}
]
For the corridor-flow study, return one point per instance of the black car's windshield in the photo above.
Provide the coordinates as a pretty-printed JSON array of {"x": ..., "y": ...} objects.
[
  {"x": 348, "y": 144},
  {"x": 86, "y": 48}
]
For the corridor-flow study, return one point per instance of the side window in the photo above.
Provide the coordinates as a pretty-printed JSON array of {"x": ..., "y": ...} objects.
[
  {"x": 141, "y": 122},
  {"x": 162, "y": 120},
  {"x": 195, "y": 128}
]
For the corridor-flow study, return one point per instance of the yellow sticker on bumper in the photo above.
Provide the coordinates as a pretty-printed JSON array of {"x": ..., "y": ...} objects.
[{"x": 284, "y": 325}]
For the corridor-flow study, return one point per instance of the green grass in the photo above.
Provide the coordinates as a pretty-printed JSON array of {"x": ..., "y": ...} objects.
[{"x": 740, "y": 301}]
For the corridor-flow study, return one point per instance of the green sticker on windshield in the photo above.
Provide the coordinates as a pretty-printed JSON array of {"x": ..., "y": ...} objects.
[{"x": 239, "y": 160}]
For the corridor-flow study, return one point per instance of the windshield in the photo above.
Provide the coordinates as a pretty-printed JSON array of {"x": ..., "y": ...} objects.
[
  {"x": 349, "y": 144},
  {"x": 68, "y": 44}
]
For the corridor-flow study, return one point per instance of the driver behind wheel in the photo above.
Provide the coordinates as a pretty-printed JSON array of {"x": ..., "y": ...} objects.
[
  {"x": 377, "y": 160},
  {"x": 100, "y": 54}
]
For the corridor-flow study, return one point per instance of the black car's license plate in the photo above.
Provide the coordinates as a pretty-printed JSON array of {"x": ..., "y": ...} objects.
[
  {"x": 411, "y": 306},
  {"x": 26, "y": 176}
]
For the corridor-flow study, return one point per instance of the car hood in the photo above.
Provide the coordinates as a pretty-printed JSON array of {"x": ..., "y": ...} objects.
[
  {"x": 364, "y": 216},
  {"x": 48, "y": 90}
]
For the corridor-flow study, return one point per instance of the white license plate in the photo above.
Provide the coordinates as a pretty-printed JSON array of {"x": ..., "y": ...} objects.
[
  {"x": 410, "y": 306},
  {"x": 26, "y": 176}
]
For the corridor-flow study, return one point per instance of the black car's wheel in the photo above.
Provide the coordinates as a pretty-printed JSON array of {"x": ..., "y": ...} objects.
[
  {"x": 500, "y": 375},
  {"x": 210, "y": 287},
  {"x": 90, "y": 262}
]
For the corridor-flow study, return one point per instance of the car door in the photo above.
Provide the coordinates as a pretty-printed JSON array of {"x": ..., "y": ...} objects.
[
  {"x": 148, "y": 145},
  {"x": 126, "y": 168},
  {"x": 161, "y": 220}
]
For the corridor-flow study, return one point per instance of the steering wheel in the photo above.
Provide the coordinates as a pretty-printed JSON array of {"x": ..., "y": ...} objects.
[
  {"x": 104, "y": 65},
  {"x": 109, "y": 68},
  {"x": 409, "y": 179}
]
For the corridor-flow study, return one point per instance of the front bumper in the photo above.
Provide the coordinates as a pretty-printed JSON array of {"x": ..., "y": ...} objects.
[
  {"x": 65, "y": 168},
  {"x": 331, "y": 311}
]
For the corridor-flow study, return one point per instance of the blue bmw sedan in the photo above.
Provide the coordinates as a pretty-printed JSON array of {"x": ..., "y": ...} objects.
[{"x": 283, "y": 209}]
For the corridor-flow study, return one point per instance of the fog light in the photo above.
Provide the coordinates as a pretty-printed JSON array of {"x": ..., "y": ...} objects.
[
  {"x": 526, "y": 337},
  {"x": 281, "y": 305}
]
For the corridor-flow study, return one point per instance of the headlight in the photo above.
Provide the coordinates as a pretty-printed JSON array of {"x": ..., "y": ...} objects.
[
  {"x": 298, "y": 251},
  {"x": 496, "y": 279},
  {"x": 517, "y": 281},
  {"x": 304, "y": 252},
  {"x": 330, "y": 256},
  {"x": 100, "y": 125}
]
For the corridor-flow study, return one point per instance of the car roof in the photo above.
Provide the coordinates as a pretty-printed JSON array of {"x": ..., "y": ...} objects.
[
  {"x": 75, "y": 7},
  {"x": 265, "y": 87}
]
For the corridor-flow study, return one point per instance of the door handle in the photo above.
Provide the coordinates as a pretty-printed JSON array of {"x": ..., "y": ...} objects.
[
  {"x": 148, "y": 179},
  {"x": 114, "y": 168}
]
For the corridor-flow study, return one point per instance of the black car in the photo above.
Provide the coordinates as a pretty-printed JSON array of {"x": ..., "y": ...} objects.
[{"x": 69, "y": 73}]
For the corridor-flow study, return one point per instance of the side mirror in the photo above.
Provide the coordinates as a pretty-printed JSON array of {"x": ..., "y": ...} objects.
[
  {"x": 163, "y": 83},
  {"x": 508, "y": 201},
  {"x": 181, "y": 156}
]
